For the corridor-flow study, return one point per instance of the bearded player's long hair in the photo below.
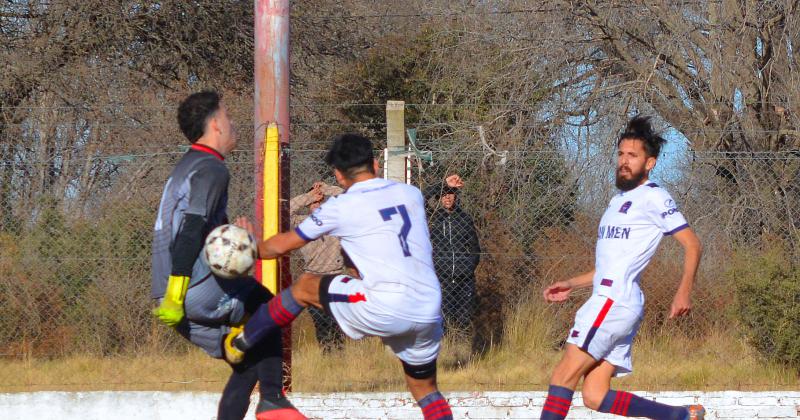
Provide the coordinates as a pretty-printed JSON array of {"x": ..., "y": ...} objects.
[{"x": 639, "y": 128}]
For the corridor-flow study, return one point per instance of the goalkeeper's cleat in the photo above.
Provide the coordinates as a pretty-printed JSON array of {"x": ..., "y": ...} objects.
[
  {"x": 277, "y": 408},
  {"x": 281, "y": 414},
  {"x": 233, "y": 354},
  {"x": 696, "y": 412}
]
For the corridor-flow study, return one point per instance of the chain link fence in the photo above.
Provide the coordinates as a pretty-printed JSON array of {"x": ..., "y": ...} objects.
[{"x": 75, "y": 238}]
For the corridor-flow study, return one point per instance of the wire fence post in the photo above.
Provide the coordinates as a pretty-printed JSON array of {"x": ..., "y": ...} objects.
[{"x": 395, "y": 154}]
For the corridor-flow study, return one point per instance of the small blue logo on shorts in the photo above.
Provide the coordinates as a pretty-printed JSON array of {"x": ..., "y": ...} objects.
[{"x": 575, "y": 333}]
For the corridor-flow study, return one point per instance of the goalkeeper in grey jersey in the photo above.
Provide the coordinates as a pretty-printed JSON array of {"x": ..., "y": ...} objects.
[{"x": 201, "y": 307}]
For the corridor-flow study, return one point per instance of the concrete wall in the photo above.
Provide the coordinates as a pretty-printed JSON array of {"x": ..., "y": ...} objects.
[{"x": 728, "y": 405}]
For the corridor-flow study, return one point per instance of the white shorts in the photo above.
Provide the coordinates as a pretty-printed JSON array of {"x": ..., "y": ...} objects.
[
  {"x": 413, "y": 342},
  {"x": 605, "y": 330}
]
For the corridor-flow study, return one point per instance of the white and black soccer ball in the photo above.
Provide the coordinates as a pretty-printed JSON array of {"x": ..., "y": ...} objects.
[{"x": 230, "y": 251}]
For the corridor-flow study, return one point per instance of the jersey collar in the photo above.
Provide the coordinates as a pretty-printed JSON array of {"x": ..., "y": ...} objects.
[
  {"x": 642, "y": 186},
  {"x": 364, "y": 184},
  {"x": 205, "y": 149}
]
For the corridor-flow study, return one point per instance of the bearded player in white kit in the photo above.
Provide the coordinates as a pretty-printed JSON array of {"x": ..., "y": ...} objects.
[
  {"x": 382, "y": 227},
  {"x": 599, "y": 344}
]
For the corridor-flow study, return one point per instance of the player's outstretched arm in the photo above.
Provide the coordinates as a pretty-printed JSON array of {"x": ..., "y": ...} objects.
[
  {"x": 560, "y": 290},
  {"x": 692, "y": 251},
  {"x": 280, "y": 244},
  {"x": 276, "y": 245}
]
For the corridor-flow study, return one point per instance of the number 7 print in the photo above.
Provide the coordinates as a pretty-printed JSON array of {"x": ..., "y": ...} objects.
[{"x": 387, "y": 214}]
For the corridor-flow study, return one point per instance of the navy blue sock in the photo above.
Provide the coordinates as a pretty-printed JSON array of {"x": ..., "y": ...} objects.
[
  {"x": 557, "y": 404},
  {"x": 279, "y": 312},
  {"x": 435, "y": 407},
  {"x": 626, "y": 404}
]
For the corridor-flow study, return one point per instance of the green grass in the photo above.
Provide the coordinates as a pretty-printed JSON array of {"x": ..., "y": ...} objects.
[{"x": 523, "y": 362}]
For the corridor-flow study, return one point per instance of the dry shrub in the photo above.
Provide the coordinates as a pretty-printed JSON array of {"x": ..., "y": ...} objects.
[{"x": 768, "y": 302}]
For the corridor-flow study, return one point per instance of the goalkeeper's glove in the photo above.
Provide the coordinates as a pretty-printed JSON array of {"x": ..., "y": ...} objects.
[
  {"x": 170, "y": 311},
  {"x": 232, "y": 353}
]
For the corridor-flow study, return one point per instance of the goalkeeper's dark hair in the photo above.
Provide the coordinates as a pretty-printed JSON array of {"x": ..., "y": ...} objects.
[
  {"x": 639, "y": 128},
  {"x": 194, "y": 112},
  {"x": 351, "y": 154}
]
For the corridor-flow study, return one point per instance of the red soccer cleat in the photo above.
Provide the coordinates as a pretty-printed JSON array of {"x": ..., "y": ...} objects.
[
  {"x": 281, "y": 414},
  {"x": 696, "y": 412},
  {"x": 277, "y": 407}
]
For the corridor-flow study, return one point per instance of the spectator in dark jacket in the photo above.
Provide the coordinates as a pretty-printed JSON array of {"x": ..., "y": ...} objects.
[{"x": 456, "y": 253}]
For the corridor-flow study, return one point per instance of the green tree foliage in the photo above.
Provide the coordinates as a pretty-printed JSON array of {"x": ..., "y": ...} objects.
[{"x": 768, "y": 303}]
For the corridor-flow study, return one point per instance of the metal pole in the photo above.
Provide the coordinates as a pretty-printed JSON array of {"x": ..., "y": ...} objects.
[{"x": 271, "y": 78}]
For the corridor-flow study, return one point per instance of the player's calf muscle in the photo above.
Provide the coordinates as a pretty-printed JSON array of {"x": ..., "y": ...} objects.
[
  {"x": 593, "y": 397},
  {"x": 419, "y": 388},
  {"x": 306, "y": 290}
]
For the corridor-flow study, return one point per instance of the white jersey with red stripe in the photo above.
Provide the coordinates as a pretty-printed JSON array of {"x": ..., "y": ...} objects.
[
  {"x": 383, "y": 228},
  {"x": 629, "y": 233}
]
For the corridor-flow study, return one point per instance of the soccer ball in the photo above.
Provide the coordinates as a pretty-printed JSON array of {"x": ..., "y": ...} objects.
[{"x": 230, "y": 251}]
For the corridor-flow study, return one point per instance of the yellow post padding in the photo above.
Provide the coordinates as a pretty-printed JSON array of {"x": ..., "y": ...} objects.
[{"x": 271, "y": 191}]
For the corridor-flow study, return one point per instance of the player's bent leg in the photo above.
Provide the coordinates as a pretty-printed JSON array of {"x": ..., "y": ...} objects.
[
  {"x": 596, "y": 384},
  {"x": 305, "y": 289},
  {"x": 211, "y": 304},
  {"x": 573, "y": 365},
  {"x": 279, "y": 312},
  {"x": 598, "y": 395},
  {"x": 626, "y": 404},
  {"x": 421, "y": 381},
  {"x": 418, "y": 350}
]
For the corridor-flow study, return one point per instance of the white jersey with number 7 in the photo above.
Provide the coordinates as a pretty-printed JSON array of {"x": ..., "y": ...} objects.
[{"x": 384, "y": 230}]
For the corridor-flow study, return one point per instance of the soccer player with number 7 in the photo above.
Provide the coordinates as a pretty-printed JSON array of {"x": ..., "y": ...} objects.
[{"x": 382, "y": 227}]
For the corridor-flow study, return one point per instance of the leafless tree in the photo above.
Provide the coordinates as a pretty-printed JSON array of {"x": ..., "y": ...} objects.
[
  {"x": 722, "y": 72},
  {"x": 98, "y": 78}
]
